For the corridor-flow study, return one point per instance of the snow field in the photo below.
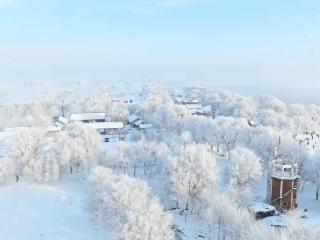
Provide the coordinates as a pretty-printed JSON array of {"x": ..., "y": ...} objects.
[{"x": 31, "y": 211}]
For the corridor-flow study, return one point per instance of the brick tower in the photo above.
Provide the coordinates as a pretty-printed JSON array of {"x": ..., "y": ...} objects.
[{"x": 284, "y": 183}]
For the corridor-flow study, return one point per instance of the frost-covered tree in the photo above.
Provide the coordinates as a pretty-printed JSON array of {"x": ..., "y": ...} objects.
[
  {"x": 25, "y": 151},
  {"x": 34, "y": 114},
  {"x": 203, "y": 130},
  {"x": 62, "y": 144},
  {"x": 311, "y": 172},
  {"x": 245, "y": 169},
  {"x": 224, "y": 220},
  {"x": 278, "y": 120},
  {"x": 264, "y": 144},
  {"x": 159, "y": 109},
  {"x": 193, "y": 174},
  {"x": 117, "y": 159},
  {"x": 117, "y": 111},
  {"x": 144, "y": 156},
  {"x": 229, "y": 131},
  {"x": 126, "y": 208},
  {"x": 152, "y": 224},
  {"x": 98, "y": 101},
  {"x": 85, "y": 146},
  {"x": 274, "y": 112},
  {"x": 47, "y": 166},
  {"x": 271, "y": 102},
  {"x": 6, "y": 169},
  {"x": 228, "y": 104},
  {"x": 186, "y": 138}
]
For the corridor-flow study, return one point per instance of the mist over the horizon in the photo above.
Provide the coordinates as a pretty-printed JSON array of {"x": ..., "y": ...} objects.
[
  {"x": 29, "y": 91},
  {"x": 250, "y": 47}
]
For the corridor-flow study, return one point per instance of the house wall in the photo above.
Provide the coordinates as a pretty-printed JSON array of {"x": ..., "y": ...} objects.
[{"x": 281, "y": 187}]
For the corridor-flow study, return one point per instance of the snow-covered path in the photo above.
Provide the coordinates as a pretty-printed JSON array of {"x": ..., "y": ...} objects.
[{"x": 55, "y": 211}]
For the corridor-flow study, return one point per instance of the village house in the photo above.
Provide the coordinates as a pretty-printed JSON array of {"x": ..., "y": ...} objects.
[
  {"x": 137, "y": 122},
  {"x": 109, "y": 130}
]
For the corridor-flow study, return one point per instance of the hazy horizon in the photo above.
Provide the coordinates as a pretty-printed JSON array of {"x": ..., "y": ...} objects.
[
  {"x": 252, "y": 47},
  {"x": 30, "y": 91}
]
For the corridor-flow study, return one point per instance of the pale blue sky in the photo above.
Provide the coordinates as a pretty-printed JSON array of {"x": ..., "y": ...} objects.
[{"x": 205, "y": 42}]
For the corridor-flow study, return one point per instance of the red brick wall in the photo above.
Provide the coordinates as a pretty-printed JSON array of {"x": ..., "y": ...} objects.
[{"x": 289, "y": 201}]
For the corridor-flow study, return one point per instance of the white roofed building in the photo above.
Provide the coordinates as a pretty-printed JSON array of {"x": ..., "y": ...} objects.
[
  {"x": 98, "y": 122},
  {"x": 106, "y": 125},
  {"x": 88, "y": 117},
  {"x": 108, "y": 130}
]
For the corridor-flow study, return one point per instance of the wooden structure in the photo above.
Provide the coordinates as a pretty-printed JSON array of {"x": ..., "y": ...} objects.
[{"x": 284, "y": 183}]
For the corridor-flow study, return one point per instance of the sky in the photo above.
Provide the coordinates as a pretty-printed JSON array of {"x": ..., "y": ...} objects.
[{"x": 238, "y": 44}]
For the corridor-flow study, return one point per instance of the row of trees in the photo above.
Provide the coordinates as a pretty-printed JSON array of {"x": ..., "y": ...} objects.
[
  {"x": 268, "y": 110},
  {"x": 27, "y": 114},
  {"x": 48, "y": 156}
]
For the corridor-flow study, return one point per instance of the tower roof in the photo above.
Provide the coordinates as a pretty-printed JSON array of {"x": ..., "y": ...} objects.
[{"x": 284, "y": 167}]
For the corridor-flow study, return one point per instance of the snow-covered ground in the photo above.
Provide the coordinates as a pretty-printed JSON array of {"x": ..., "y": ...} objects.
[
  {"x": 60, "y": 210},
  {"x": 33, "y": 211}
]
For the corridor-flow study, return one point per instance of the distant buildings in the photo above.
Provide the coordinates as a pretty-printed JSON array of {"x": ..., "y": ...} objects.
[
  {"x": 194, "y": 106},
  {"x": 109, "y": 130}
]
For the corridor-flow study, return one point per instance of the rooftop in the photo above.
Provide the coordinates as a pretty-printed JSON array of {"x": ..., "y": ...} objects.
[
  {"x": 133, "y": 118},
  {"x": 87, "y": 116},
  {"x": 284, "y": 168},
  {"x": 106, "y": 125}
]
